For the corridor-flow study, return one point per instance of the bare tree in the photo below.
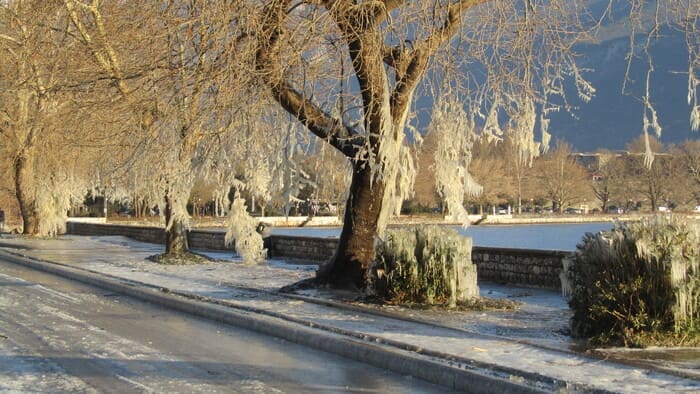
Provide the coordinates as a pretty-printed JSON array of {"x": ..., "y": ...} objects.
[
  {"x": 387, "y": 48},
  {"x": 490, "y": 169},
  {"x": 175, "y": 65},
  {"x": 653, "y": 180},
  {"x": 519, "y": 161},
  {"x": 41, "y": 80},
  {"x": 689, "y": 157},
  {"x": 561, "y": 178},
  {"x": 22, "y": 98},
  {"x": 608, "y": 179}
]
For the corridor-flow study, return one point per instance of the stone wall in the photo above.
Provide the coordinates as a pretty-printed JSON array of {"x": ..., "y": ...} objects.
[
  {"x": 298, "y": 248},
  {"x": 140, "y": 233},
  {"x": 539, "y": 268},
  {"x": 197, "y": 239},
  {"x": 207, "y": 239}
]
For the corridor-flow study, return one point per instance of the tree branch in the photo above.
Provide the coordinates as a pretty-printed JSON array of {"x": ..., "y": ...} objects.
[
  {"x": 320, "y": 123},
  {"x": 8, "y": 38},
  {"x": 5, "y": 117},
  {"x": 399, "y": 57},
  {"x": 109, "y": 62},
  {"x": 382, "y": 13},
  {"x": 410, "y": 63},
  {"x": 316, "y": 120}
]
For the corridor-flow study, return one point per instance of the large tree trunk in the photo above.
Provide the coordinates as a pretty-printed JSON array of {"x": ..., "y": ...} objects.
[
  {"x": 24, "y": 183},
  {"x": 355, "y": 253},
  {"x": 176, "y": 233}
]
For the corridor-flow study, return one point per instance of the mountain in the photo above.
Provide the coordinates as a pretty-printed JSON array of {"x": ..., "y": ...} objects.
[{"x": 612, "y": 119}]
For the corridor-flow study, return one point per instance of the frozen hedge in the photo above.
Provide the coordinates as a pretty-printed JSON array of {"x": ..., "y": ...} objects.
[
  {"x": 427, "y": 264},
  {"x": 242, "y": 234},
  {"x": 639, "y": 280}
]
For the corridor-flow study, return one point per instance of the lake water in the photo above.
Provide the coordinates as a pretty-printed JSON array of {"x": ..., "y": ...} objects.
[{"x": 521, "y": 236}]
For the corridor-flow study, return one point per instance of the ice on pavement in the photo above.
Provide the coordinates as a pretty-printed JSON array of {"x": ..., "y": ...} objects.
[{"x": 494, "y": 337}]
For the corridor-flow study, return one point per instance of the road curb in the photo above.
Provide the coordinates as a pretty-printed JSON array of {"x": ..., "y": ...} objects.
[{"x": 438, "y": 371}]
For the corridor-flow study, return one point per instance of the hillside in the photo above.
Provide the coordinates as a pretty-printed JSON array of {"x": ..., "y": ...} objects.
[{"x": 612, "y": 119}]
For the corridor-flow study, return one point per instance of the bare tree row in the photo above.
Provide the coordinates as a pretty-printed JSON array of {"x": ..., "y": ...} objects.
[{"x": 562, "y": 179}]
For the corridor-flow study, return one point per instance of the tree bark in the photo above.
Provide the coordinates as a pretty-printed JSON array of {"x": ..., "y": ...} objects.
[
  {"x": 24, "y": 174},
  {"x": 176, "y": 234},
  {"x": 355, "y": 253}
]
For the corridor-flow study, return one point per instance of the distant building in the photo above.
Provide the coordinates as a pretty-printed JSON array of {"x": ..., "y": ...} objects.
[{"x": 594, "y": 161}]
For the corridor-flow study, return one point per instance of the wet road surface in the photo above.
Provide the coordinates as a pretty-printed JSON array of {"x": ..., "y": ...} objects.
[{"x": 57, "y": 335}]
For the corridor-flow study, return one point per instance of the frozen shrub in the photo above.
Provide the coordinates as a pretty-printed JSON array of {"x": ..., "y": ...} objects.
[
  {"x": 639, "y": 280},
  {"x": 242, "y": 234},
  {"x": 427, "y": 265}
]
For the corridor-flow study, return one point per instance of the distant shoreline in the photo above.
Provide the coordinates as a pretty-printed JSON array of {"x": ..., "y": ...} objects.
[{"x": 331, "y": 221}]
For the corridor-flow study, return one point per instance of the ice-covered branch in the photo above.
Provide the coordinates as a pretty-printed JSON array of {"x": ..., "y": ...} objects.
[{"x": 296, "y": 103}]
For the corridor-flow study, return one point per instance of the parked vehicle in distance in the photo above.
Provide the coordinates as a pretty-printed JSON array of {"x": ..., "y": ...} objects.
[
  {"x": 664, "y": 209},
  {"x": 125, "y": 213},
  {"x": 573, "y": 211},
  {"x": 614, "y": 209},
  {"x": 545, "y": 210}
]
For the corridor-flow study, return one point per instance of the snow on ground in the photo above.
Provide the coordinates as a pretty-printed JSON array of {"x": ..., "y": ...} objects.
[
  {"x": 542, "y": 317},
  {"x": 492, "y": 337}
]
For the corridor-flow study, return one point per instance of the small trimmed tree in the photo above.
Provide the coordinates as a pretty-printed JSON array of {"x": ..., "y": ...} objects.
[
  {"x": 639, "y": 279},
  {"x": 428, "y": 264}
]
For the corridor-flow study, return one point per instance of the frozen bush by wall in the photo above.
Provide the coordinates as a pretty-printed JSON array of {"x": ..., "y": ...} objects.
[
  {"x": 242, "y": 234},
  {"x": 426, "y": 264},
  {"x": 636, "y": 280}
]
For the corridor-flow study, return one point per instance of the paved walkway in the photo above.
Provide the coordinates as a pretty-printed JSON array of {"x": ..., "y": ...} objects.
[{"x": 528, "y": 347}]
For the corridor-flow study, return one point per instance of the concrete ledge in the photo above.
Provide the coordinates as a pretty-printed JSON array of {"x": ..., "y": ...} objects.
[
  {"x": 87, "y": 220},
  {"x": 430, "y": 369}
]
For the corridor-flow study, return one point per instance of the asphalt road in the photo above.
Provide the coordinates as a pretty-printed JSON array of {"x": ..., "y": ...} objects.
[{"x": 57, "y": 335}]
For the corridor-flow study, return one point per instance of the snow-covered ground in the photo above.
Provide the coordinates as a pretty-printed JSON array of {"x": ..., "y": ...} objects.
[
  {"x": 541, "y": 318},
  {"x": 532, "y": 339}
]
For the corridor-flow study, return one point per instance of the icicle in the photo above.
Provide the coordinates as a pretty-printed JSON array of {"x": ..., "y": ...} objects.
[
  {"x": 394, "y": 167},
  {"x": 54, "y": 194},
  {"x": 692, "y": 84},
  {"x": 523, "y": 130},
  {"x": 546, "y": 136},
  {"x": 242, "y": 233},
  {"x": 178, "y": 184},
  {"x": 492, "y": 130},
  {"x": 566, "y": 285},
  {"x": 648, "y": 153},
  {"x": 455, "y": 133},
  {"x": 693, "y": 100},
  {"x": 585, "y": 90}
]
